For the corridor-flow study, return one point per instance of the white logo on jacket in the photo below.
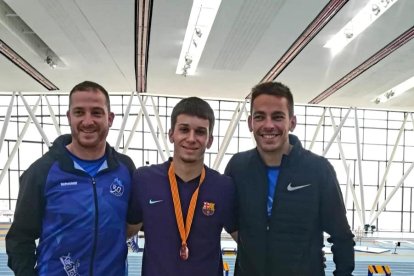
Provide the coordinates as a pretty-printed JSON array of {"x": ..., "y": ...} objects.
[
  {"x": 155, "y": 201},
  {"x": 291, "y": 188},
  {"x": 69, "y": 265},
  {"x": 71, "y": 183},
  {"x": 116, "y": 187}
]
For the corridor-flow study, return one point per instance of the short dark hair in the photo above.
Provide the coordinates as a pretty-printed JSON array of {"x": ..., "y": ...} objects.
[
  {"x": 90, "y": 86},
  {"x": 193, "y": 106},
  {"x": 273, "y": 89}
]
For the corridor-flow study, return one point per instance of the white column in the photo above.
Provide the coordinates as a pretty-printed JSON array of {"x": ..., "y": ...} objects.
[
  {"x": 6, "y": 120},
  {"x": 52, "y": 115},
  {"x": 18, "y": 142},
  {"x": 124, "y": 121},
  {"x": 317, "y": 129},
  {"x": 35, "y": 121},
  {"x": 229, "y": 134},
  {"x": 161, "y": 129},
  {"x": 154, "y": 135},
  {"x": 134, "y": 128},
  {"x": 361, "y": 182},
  {"x": 390, "y": 161}
]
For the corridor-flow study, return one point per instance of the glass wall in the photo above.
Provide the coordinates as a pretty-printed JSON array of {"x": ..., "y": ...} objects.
[{"x": 374, "y": 146}]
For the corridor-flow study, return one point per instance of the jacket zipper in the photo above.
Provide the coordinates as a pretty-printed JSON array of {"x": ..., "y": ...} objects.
[{"x": 95, "y": 236}]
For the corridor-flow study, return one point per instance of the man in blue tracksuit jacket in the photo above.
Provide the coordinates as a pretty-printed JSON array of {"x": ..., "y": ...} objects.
[{"x": 74, "y": 199}]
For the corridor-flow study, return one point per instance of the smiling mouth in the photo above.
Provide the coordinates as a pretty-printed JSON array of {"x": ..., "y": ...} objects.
[
  {"x": 88, "y": 133},
  {"x": 269, "y": 136},
  {"x": 88, "y": 130},
  {"x": 190, "y": 149}
]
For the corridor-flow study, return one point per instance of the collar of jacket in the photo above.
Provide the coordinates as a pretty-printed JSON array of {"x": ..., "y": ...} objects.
[{"x": 58, "y": 149}]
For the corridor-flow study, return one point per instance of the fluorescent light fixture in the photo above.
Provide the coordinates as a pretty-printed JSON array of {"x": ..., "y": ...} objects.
[
  {"x": 14, "y": 57},
  {"x": 142, "y": 32},
  {"x": 365, "y": 17},
  {"x": 202, "y": 16},
  {"x": 395, "y": 91}
]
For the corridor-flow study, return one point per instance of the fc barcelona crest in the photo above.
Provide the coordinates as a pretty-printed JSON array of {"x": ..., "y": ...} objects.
[{"x": 208, "y": 208}]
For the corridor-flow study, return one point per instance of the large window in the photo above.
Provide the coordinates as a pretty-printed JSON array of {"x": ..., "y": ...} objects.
[{"x": 385, "y": 140}]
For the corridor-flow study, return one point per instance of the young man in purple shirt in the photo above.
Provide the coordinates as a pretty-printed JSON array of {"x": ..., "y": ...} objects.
[{"x": 183, "y": 204}]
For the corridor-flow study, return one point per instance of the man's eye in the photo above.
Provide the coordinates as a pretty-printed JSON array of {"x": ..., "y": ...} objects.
[{"x": 97, "y": 113}]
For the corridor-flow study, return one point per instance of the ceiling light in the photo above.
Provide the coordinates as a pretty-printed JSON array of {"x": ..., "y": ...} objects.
[
  {"x": 202, "y": 16},
  {"x": 142, "y": 34},
  {"x": 50, "y": 62},
  {"x": 395, "y": 91},
  {"x": 198, "y": 32},
  {"x": 375, "y": 9},
  {"x": 365, "y": 17}
]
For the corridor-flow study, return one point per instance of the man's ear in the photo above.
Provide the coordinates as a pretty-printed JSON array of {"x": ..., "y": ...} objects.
[
  {"x": 68, "y": 116},
  {"x": 249, "y": 123},
  {"x": 292, "y": 123},
  {"x": 210, "y": 141},
  {"x": 170, "y": 135},
  {"x": 111, "y": 117}
]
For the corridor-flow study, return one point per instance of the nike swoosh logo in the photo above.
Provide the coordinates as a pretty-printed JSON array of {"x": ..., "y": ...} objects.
[
  {"x": 155, "y": 201},
  {"x": 291, "y": 189}
]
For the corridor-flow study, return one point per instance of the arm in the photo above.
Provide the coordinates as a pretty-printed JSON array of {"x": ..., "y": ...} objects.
[
  {"x": 228, "y": 172},
  {"x": 335, "y": 223},
  {"x": 26, "y": 227},
  {"x": 134, "y": 214},
  {"x": 235, "y": 235},
  {"x": 230, "y": 216},
  {"x": 133, "y": 229}
]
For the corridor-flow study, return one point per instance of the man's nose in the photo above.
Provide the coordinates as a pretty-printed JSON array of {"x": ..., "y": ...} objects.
[
  {"x": 191, "y": 135},
  {"x": 268, "y": 122},
  {"x": 87, "y": 119}
]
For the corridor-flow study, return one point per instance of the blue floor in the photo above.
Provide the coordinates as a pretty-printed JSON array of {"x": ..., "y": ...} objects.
[
  {"x": 401, "y": 263},
  {"x": 397, "y": 268}
]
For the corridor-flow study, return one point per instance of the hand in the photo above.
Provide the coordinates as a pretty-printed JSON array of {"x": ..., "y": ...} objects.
[{"x": 323, "y": 259}]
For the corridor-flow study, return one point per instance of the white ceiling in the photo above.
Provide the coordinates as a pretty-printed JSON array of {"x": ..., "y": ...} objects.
[{"x": 95, "y": 39}]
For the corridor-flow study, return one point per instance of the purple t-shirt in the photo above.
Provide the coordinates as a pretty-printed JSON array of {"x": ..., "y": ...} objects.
[{"x": 151, "y": 203}]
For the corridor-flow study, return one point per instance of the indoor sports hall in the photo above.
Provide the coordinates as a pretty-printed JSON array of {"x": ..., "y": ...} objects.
[{"x": 348, "y": 63}]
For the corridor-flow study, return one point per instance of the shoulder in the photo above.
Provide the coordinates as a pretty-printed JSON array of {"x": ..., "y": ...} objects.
[
  {"x": 311, "y": 158},
  {"x": 42, "y": 164},
  {"x": 241, "y": 161},
  {"x": 242, "y": 157},
  {"x": 152, "y": 170},
  {"x": 301, "y": 154},
  {"x": 125, "y": 159},
  {"x": 314, "y": 165},
  {"x": 219, "y": 183},
  {"x": 37, "y": 173},
  {"x": 244, "y": 154},
  {"x": 217, "y": 177}
]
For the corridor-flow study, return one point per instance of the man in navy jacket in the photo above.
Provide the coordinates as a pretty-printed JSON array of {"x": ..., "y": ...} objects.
[{"x": 286, "y": 197}]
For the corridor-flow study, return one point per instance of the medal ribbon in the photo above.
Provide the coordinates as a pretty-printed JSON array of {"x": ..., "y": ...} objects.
[{"x": 184, "y": 232}]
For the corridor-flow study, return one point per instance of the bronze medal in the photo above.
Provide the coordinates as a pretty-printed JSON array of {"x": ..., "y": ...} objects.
[
  {"x": 184, "y": 230},
  {"x": 184, "y": 252}
]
